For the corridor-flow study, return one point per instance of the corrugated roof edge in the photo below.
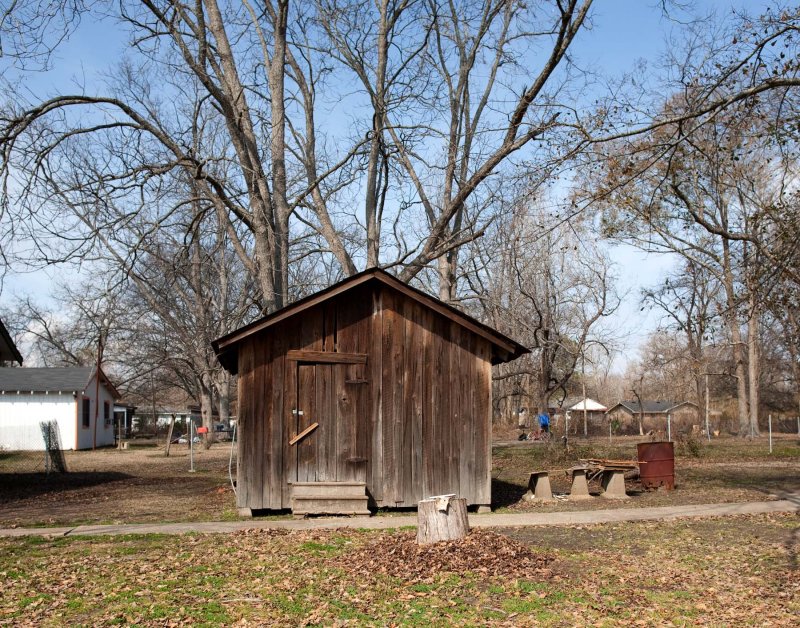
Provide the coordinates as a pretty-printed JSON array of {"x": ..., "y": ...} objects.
[{"x": 222, "y": 346}]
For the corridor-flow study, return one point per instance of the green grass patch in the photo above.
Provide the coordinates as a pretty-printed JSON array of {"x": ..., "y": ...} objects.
[{"x": 308, "y": 577}]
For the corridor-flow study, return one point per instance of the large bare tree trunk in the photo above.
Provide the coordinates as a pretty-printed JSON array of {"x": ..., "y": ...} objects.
[
  {"x": 732, "y": 321},
  {"x": 222, "y": 386},
  {"x": 791, "y": 344},
  {"x": 447, "y": 278},
  {"x": 753, "y": 364}
]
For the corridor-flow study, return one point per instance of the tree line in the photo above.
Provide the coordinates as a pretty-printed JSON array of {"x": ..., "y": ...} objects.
[{"x": 240, "y": 155}]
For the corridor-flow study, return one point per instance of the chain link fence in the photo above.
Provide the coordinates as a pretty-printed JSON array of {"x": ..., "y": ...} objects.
[{"x": 31, "y": 448}]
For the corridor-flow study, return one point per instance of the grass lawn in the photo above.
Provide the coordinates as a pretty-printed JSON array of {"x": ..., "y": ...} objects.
[{"x": 731, "y": 571}]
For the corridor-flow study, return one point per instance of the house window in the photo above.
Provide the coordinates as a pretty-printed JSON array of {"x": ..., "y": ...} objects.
[
  {"x": 107, "y": 413},
  {"x": 86, "y": 411}
]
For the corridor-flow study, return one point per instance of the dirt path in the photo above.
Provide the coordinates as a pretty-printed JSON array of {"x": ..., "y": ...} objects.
[
  {"x": 493, "y": 520},
  {"x": 112, "y": 486},
  {"x": 141, "y": 485}
]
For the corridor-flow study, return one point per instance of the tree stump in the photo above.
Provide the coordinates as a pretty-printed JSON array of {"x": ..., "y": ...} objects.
[{"x": 442, "y": 518}]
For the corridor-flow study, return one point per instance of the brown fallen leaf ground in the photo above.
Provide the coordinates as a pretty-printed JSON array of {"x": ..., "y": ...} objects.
[
  {"x": 725, "y": 470},
  {"x": 140, "y": 485},
  {"x": 724, "y": 572}
]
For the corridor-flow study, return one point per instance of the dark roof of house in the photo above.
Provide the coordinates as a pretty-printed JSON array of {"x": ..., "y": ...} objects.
[
  {"x": 55, "y": 379},
  {"x": 504, "y": 348},
  {"x": 8, "y": 350},
  {"x": 651, "y": 407}
]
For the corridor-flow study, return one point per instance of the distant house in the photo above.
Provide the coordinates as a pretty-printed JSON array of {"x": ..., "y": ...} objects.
[
  {"x": 145, "y": 421},
  {"x": 571, "y": 409},
  {"x": 594, "y": 411},
  {"x": 123, "y": 419},
  {"x": 8, "y": 350},
  {"x": 32, "y": 396},
  {"x": 654, "y": 414},
  {"x": 592, "y": 407}
]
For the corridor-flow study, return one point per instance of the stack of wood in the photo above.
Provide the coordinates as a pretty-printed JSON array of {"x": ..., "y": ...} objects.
[
  {"x": 596, "y": 466},
  {"x": 605, "y": 463}
]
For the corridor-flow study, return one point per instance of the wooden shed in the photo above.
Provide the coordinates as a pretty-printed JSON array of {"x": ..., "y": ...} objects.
[{"x": 368, "y": 392}]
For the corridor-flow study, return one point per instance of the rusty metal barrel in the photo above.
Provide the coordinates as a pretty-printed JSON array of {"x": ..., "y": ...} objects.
[{"x": 657, "y": 464}]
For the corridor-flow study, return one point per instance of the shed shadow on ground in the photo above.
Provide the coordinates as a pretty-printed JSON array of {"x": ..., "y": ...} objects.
[
  {"x": 20, "y": 486},
  {"x": 505, "y": 494}
]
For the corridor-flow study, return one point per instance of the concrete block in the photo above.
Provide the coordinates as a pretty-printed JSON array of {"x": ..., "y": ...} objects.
[
  {"x": 613, "y": 483},
  {"x": 539, "y": 487},
  {"x": 580, "y": 487}
]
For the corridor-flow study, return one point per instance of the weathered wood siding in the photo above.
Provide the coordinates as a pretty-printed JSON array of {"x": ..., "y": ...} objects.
[
  {"x": 411, "y": 422},
  {"x": 436, "y": 399}
]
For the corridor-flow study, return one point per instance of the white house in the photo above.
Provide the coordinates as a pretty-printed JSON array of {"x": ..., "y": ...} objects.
[
  {"x": 589, "y": 405},
  {"x": 68, "y": 396}
]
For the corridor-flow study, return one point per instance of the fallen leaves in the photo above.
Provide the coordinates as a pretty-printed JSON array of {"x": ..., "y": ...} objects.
[
  {"x": 719, "y": 571},
  {"x": 481, "y": 552}
]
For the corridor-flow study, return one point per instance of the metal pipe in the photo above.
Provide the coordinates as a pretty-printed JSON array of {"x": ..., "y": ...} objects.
[{"x": 191, "y": 445}]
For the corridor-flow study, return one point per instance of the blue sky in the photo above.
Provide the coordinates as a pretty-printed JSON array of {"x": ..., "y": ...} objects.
[{"x": 624, "y": 31}]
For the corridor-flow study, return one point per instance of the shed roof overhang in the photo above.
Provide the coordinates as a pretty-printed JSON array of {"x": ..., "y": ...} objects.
[
  {"x": 8, "y": 350},
  {"x": 504, "y": 349}
]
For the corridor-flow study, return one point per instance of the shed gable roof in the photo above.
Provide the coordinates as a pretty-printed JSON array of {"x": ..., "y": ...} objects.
[
  {"x": 651, "y": 407},
  {"x": 55, "y": 379},
  {"x": 8, "y": 350},
  {"x": 504, "y": 348},
  {"x": 590, "y": 405}
]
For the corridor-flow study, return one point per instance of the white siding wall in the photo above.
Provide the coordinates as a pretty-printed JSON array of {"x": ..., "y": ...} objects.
[
  {"x": 21, "y": 414},
  {"x": 105, "y": 434}
]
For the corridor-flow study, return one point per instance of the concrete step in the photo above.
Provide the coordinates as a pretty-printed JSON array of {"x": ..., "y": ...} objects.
[
  {"x": 329, "y": 506},
  {"x": 333, "y": 490},
  {"x": 329, "y": 498}
]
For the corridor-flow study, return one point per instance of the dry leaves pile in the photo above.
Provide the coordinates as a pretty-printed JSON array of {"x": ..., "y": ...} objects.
[{"x": 481, "y": 552}]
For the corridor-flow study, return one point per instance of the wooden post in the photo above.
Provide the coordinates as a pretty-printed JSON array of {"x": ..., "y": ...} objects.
[
  {"x": 442, "y": 518},
  {"x": 770, "y": 433},
  {"x": 169, "y": 435}
]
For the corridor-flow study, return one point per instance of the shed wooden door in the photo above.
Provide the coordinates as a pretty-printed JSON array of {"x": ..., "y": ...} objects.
[{"x": 334, "y": 396}]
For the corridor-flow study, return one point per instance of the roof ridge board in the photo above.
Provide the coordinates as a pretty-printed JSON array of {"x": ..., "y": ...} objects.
[{"x": 498, "y": 338}]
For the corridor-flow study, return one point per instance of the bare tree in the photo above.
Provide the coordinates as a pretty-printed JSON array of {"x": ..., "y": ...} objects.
[
  {"x": 711, "y": 198},
  {"x": 259, "y": 76},
  {"x": 552, "y": 293},
  {"x": 687, "y": 299}
]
